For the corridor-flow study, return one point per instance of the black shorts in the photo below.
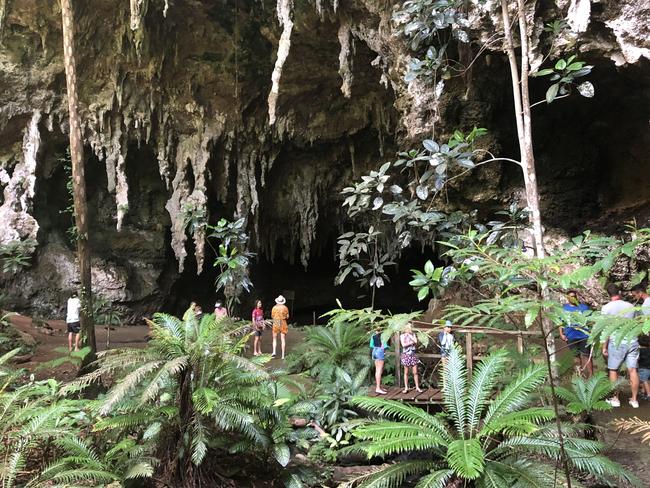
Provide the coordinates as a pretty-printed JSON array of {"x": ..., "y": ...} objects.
[
  {"x": 257, "y": 333},
  {"x": 74, "y": 327},
  {"x": 580, "y": 346}
]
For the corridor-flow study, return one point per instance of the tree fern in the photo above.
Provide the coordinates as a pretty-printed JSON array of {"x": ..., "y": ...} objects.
[{"x": 498, "y": 443}]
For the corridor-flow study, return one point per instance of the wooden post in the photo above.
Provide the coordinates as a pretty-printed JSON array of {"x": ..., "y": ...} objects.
[
  {"x": 398, "y": 369},
  {"x": 469, "y": 356},
  {"x": 520, "y": 344}
]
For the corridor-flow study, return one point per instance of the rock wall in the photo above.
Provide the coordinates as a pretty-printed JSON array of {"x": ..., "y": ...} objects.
[{"x": 239, "y": 109}]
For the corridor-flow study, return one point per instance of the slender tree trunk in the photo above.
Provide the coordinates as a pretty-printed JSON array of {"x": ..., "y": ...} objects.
[
  {"x": 78, "y": 180},
  {"x": 525, "y": 135}
]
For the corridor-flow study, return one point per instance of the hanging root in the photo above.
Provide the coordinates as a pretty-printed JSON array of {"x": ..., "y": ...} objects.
[{"x": 284, "y": 10}]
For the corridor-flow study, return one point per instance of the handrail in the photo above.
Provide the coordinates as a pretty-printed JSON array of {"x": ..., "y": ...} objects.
[{"x": 474, "y": 329}]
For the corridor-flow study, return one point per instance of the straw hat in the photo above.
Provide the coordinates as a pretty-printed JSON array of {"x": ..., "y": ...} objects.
[{"x": 280, "y": 300}]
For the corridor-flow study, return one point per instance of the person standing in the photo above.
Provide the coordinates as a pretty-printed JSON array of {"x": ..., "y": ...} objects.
[
  {"x": 72, "y": 321},
  {"x": 445, "y": 342},
  {"x": 219, "y": 310},
  {"x": 280, "y": 315},
  {"x": 378, "y": 355},
  {"x": 627, "y": 350},
  {"x": 409, "y": 359},
  {"x": 576, "y": 335},
  {"x": 640, "y": 294},
  {"x": 644, "y": 366},
  {"x": 257, "y": 317}
]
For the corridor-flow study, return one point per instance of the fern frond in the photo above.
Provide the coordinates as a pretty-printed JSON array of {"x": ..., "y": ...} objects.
[
  {"x": 516, "y": 393},
  {"x": 390, "y": 476},
  {"x": 481, "y": 387},
  {"x": 634, "y": 426}
]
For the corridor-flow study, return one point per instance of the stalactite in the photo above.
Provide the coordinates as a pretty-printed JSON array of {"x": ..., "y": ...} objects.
[
  {"x": 345, "y": 59},
  {"x": 3, "y": 9},
  {"x": 193, "y": 151},
  {"x": 16, "y": 221},
  {"x": 284, "y": 12},
  {"x": 138, "y": 13}
]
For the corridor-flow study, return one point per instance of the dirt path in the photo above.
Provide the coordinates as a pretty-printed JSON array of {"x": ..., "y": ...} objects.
[
  {"x": 624, "y": 448},
  {"x": 56, "y": 337}
]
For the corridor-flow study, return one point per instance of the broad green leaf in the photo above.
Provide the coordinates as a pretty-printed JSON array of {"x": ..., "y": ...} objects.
[
  {"x": 428, "y": 267},
  {"x": 551, "y": 93},
  {"x": 423, "y": 293},
  {"x": 282, "y": 454},
  {"x": 560, "y": 65},
  {"x": 544, "y": 72}
]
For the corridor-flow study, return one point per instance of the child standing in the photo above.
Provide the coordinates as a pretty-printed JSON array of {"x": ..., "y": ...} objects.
[{"x": 409, "y": 359}]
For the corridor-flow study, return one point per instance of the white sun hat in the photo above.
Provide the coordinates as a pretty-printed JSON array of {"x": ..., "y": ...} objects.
[{"x": 280, "y": 300}]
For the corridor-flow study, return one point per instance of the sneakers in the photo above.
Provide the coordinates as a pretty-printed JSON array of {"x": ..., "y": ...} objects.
[
  {"x": 633, "y": 403},
  {"x": 615, "y": 402}
]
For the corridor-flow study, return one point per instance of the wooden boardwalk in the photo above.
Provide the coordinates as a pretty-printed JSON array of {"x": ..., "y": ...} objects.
[{"x": 428, "y": 396}]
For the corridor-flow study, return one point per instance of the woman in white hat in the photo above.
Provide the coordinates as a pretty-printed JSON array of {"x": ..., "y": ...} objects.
[{"x": 280, "y": 314}]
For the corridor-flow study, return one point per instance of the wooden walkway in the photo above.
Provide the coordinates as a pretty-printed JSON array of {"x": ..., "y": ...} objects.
[{"x": 428, "y": 396}]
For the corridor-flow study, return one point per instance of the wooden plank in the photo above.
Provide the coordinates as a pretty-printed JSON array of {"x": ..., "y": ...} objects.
[
  {"x": 426, "y": 395},
  {"x": 468, "y": 353},
  {"x": 394, "y": 393},
  {"x": 520, "y": 344},
  {"x": 410, "y": 395}
]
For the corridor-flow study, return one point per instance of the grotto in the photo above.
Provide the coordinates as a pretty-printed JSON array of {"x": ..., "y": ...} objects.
[{"x": 192, "y": 105}]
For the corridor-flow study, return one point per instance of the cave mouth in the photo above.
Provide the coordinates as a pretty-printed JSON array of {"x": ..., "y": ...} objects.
[
  {"x": 310, "y": 291},
  {"x": 591, "y": 154}
]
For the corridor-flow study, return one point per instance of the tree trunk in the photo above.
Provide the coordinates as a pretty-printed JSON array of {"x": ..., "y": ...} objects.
[
  {"x": 78, "y": 181},
  {"x": 525, "y": 135}
]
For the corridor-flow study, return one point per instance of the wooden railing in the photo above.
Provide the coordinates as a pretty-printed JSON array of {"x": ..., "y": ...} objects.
[{"x": 470, "y": 357}]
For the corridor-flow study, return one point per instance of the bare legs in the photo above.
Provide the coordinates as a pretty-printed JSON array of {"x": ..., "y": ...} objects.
[
  {"x": 282, "y": 341},
  {"x": 587, "y": 365},
  {"x": 379, "y": 369},
  {"x": 416, "y": 378},
  {"x": 76, "y": 341},
  {"x": 634, "y": 382},
  {"x": 257, "y": 345}
]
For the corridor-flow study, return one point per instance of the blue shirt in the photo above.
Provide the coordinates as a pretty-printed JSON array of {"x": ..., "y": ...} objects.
[{"x": 576, "y": 332}]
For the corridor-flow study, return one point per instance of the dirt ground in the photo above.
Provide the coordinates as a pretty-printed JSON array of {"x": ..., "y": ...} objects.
[
  {"x": 624, "y": 448},
  {"x": 50, "y": 341}
]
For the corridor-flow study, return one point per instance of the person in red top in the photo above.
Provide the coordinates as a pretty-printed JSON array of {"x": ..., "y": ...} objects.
[{"x": 257, "y": 318}]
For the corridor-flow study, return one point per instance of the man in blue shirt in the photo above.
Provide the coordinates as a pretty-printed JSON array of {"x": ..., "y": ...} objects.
[{"x": 577, "y": 335}]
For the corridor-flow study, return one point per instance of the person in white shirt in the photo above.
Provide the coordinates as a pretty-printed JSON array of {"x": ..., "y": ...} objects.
[
  {"x": 627, "y": 351},
  {"x": 72, "y": 320}
]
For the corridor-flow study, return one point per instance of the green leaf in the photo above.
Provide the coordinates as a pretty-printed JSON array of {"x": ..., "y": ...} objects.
[
  {"x": 531, "y": 315},
  {"x": 544, "y": 72},
  {"x": 466, "y": 458},
  {"x": 551, "y": 93},
  {"x": 428, "y": 267},
  {"x": 575, "y": 66},
  {"x": 430, "y": 145},
  {"x": 282, "y": 454},
  {"x": 423, "y": 293},
  {"x": 560, "y": 65}
]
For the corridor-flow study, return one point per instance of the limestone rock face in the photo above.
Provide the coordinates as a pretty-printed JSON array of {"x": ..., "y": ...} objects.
[{"x": 175, "y": 98}]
